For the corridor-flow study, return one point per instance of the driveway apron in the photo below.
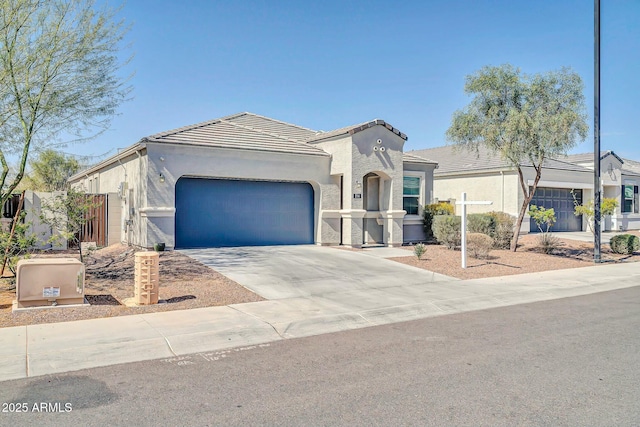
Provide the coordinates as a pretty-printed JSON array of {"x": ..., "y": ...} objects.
[{"x": 279, "y": 272}]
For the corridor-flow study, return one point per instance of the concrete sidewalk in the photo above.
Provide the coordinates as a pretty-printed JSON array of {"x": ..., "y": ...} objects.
[{"x": 29, "y": 351}]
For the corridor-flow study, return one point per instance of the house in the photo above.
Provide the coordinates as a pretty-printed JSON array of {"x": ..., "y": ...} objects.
[
  {"x": 620, "y": 179},
  {"x": 564, "y": 181},
  {"x": 246, "y": 179}
]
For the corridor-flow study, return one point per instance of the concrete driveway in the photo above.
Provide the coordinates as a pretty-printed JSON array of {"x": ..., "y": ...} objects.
[
  {"x": 586, "y": 236},
  {"x": 279, "y": 272}
]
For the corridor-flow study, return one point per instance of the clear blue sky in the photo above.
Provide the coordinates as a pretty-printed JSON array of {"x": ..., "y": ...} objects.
[{"x": 328, "y": 64}]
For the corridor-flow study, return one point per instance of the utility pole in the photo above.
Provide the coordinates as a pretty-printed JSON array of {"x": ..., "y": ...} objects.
[{"x": 596, "y": 135}]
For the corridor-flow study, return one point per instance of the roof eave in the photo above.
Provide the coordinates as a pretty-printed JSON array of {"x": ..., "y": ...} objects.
[
  {"x": 358, "y": 128},
  {"x": 320, "y": 153},
  {"x": 132, "y": 149}
]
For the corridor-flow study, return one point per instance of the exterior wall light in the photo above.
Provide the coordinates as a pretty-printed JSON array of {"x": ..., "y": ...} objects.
[
  {"x": 358, "y": 184},
  {"x": 161, "y": 178}
]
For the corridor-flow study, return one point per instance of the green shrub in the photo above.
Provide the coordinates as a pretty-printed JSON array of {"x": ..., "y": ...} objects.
[
  {"x": 481, "y": 223},
  {"x": 503, "y": 233},
  {"x": 548, "y": 242},
  {"x": 446, "y": 229},
  {"x": 19, "y": 246},
  {"x": 440, "y": 208},
  {"x": 624, "y": 244},
  {"x": 479, "y": 245},
  {"x": 543, "y": 217},
  {"x": 419, "y": 250}
]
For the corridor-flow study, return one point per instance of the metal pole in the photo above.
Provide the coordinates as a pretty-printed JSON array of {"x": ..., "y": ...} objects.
[
  {"x": 596, "y": 135},
  {"x": 463, "y": 230}
]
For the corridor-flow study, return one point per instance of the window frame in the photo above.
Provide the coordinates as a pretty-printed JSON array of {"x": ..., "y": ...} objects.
[
  {"x": 634, "y": 207},
  {"x": 420, "y": 195}
]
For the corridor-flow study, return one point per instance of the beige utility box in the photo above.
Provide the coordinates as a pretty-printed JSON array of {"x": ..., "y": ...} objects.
[
  {"x": 49, "y": 282},
  {"x": 147, "y": 280}
]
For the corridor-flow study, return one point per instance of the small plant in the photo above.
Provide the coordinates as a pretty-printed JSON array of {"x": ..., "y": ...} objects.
[
  {"x": 67, "y": 214},
  {"x": 544, "y": 219},
  {"x": 446, "y": 229},
  {"x": 607, "y": 207},
  {"x": 19, "y": 246},
  {"x": 429, "y": 211},
  {"x": 625, "y": 244},
  {"x": 479, "y": 245},
  {"x": 419, "y": 250},
  {"x": 548, "y": 242},
  {"x": 503, "y": 233}
]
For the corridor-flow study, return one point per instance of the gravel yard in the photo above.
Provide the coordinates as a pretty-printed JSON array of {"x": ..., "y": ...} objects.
[
  {"x": 527, "y": 259},
  {"x": 186, "y": 283}
]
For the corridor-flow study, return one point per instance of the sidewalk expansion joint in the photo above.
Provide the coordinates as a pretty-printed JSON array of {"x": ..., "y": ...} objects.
[
  {"x": 166, "y": 340},
  {"x": 367, "y": 320},
  {"x": 262, "y": 320},
  {"x": 26, "y": 350}
]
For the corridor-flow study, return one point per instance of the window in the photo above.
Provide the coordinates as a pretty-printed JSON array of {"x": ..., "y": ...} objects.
[
  {"x": 411, "y": 195},
  {"x": 630, "y": 199}
]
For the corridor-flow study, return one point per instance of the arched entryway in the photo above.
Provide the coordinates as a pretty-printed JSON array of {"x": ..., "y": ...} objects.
[{"x": 376, "y": 197}]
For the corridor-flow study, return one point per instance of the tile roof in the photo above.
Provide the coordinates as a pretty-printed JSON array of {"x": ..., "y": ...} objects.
[
  {"x": 243, "y": 131},
  {"x": 350, "y": 130},
  {"x": 588, "y": 157},
  {"x": 629, "y": 167},
  {"x": 452, "y": 159},
  {"x": 409, "y": 158},
  {"x": 248, "y": 131}
]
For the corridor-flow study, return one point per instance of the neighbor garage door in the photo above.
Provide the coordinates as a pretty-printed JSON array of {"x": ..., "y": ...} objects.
[
  {"x": 220, "y": 212},
  {"x": 562, "y": 202}
]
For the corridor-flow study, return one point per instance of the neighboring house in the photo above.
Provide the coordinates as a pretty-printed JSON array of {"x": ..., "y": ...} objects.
[
  {"x": 251, "y": 180},
  {"x": 620, "y": 179},
  {"x": 485, "y": 176}
]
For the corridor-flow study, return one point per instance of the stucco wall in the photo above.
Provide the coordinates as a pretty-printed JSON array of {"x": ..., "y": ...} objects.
[
  {"x": 389, "y": 162},
  {"x": 34, "y": 202},
  {"x": 176, "y": 161},
  {"x": 131, "y": 170},
  {"x": 389, "y": 167},
  {"x": 353, "y": 157},
  {"x": 500, "y": 188},
  {"x": 504, "y": 190}
]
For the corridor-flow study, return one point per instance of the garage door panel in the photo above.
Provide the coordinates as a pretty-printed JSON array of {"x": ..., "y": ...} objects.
[
  {"x": 217, "y": 212},
  {"x": 562, "y": 202}
]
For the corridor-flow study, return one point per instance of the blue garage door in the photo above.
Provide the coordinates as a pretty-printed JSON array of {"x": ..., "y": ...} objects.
[
  {"x": 562, "y": 202},
  {"x": 220, "y": 212}
]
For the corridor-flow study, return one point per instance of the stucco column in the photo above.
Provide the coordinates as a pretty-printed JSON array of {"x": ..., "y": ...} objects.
[
  {"x": 393, "y": 227},
  {"x": 329, "y": 228},
  {"x": 352, "y": 227}
]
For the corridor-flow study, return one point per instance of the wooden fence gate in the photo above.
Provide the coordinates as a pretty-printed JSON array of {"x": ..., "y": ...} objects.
[{"x": 95, "y": 227}]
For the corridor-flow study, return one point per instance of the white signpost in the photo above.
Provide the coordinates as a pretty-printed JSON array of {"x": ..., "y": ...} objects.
[{"x": 463, "y": 235}]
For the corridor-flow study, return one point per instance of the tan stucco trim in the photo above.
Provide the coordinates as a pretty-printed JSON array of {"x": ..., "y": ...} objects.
[{"x": 161, "y": 211}]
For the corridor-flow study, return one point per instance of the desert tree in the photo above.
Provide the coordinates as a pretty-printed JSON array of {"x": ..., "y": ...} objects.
[
  {"x": 525, "y": 119},
  {"x": 67, "y": 213},
  {"x": 59, "y": 77},
  {"x": 50, "y": 171}
]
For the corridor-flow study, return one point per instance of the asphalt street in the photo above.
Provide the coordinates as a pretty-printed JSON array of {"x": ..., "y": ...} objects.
[{"x": 566, "y": 362}]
